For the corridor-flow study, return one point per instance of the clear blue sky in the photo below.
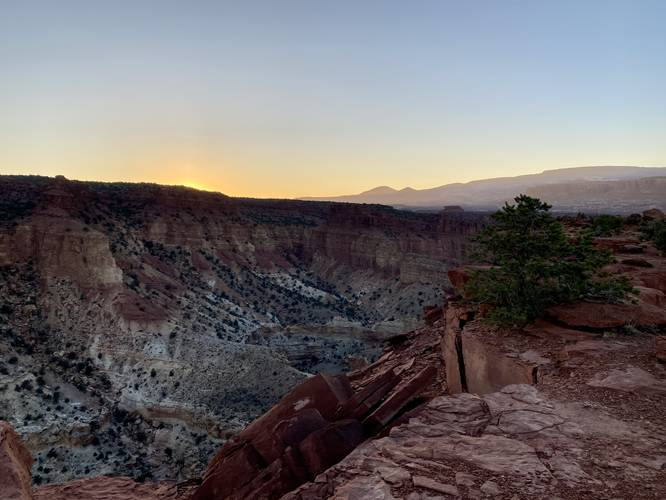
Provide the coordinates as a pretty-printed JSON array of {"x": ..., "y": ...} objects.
[{"x": 293, "y": 98}]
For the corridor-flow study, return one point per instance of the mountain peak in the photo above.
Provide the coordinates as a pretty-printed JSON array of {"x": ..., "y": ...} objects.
[{"x": 380, "y": 190}]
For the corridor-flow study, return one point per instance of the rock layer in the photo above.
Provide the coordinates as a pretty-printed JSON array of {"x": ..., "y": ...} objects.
[{"x": 15, "y": 462}]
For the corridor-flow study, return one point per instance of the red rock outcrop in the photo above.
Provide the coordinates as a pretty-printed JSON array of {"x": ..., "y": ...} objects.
[
  {"x": 654, "y": 214},
  {"x": 474, "y": 361},
  {"x": 320, "y": 422},
  {"x": 514, "y": 443},
  {"x": 15, "y": 463},
  {"x": 599, "y": 316},
  {"x": 660, "y": 348},
  {"x": 111, "y": 488}
]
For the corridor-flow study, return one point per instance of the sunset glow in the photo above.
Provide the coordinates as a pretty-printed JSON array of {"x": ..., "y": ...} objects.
[{"x": 320, "y": 98}]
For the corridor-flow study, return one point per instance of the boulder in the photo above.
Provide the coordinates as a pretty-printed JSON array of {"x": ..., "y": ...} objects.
[
  {"x": 660, "y": 348},
  {"x": 545, "y": 329},
  {"x": 432, "y": 314},
  {"x": 230, "y": 473},
  {"x": 653, "y": 278},
  {"x": 654, "y": 214},
  {"x": 329, "y": 445},
  {"x": 636, "y": 262},
  {"x": 599, "y": 316},
  {"x": 293, "y": 430},
  {"x": 359, "y": 405},
  {"x": 630, "y": 379},
  {"x": 651, "y": 296},
  {"x": 405, "y": 393},
  {"x": 632, "y": 249},
  {"x": 488, "y": 369},
  {"x": 261, "y": 458},
  {"x": 15, "y": 463},
  {"x": 431, "y": 484}
]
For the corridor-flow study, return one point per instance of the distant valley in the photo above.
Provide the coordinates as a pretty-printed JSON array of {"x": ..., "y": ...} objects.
[{"x": 599, "y": 189}]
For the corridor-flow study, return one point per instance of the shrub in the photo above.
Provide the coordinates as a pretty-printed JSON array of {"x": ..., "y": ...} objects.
[
  {"x": 655, "y": 231},
  {"x": 606, "y": 225},
  {"x": 534, "y": 265}
]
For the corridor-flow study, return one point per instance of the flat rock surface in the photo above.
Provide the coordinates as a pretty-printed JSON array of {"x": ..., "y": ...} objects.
[
  {"x": 513, "y": 442},
  {"x": 109, "y": 488}
]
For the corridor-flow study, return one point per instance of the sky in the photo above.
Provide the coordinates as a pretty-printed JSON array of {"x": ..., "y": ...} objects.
[{"x": 315, "y": 98}]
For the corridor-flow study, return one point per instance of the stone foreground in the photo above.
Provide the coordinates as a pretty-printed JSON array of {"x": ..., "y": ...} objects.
[{"x": 516, "y": 443}]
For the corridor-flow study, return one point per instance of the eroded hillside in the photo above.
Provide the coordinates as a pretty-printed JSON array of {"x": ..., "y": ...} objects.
[{"x": 142, "y": 324}]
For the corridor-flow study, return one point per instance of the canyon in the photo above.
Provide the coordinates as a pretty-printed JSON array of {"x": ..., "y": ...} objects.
[
  {"x": 167, "y": 344},
  {"x": 144, "y": 325},
  {"x": 570, "y": 406}
]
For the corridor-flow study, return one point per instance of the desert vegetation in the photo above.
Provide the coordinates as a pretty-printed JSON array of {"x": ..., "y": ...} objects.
[{"x": 532, "y": 264}]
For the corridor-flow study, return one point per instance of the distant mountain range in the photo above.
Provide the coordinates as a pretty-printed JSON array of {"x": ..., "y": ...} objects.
[{"x": 618, "y": 189}]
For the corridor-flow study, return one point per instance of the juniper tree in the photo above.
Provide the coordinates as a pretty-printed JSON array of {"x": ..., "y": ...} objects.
[{"x": 533, "y": 264}]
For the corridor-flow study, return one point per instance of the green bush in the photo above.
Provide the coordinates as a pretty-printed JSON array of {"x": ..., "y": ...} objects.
[
  {"x": 606, "y": 225},
  {"x": 533, "y": 265},
  {"x": 655, "y": 231}
]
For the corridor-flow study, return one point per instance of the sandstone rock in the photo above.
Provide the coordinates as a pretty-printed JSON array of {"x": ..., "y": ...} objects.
[
  {"x": 654, "y": 214},
  {"x": 261, "y": 458},
  {"x": 633, "y": 249},
  {"x": 490, "y": 488},
  {"x": 457, "y": 315},
  {"x": 651, "y": 296},
  {"x": 545, "y": 329},
  {"x": 293, "y": 430},
  {"x": 363, "y": 401},
  {"x": 321, "y": 392},
  {"x": 432, "y": 314},
  {"x": 465, "y": 479},
  {"x": 327, "y": 446},
  {"x": 364, "y": 488},
  {"x": 660, "y": 348},
  {"x": 487, "y": 369},
  {"x": 397, "y": 401},
  {"x": 592, "y": 347},
  {"x": 111, "y": 488},
  {"x": 474, "y": 365},
  {"x": 15, "y": 463},
  {"x": 431, "y": 484},
  {"x": 599, "y": 316},
  {"x": 636, "y": 262},
  {"x": 394, "y": 475},
  {"x": 629, "y": 379},
  {"x": 533, "y": 445}
]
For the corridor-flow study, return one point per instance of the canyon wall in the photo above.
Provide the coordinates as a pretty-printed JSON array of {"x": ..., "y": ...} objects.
[{"x": 143, "y": 324}]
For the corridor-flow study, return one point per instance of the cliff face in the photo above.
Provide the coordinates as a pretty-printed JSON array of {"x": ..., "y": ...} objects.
[{"x": 143, "y": 324}]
